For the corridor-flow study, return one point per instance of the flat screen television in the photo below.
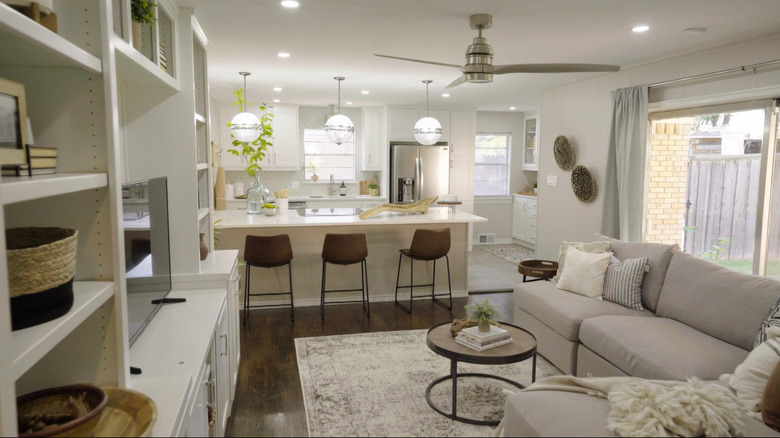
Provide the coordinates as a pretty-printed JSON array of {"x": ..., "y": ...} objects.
[{"x": 147, "y": 250}]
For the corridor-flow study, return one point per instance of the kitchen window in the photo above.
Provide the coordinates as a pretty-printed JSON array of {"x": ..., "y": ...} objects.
[
  {"x": 491, "y": 164},
  {"x": 327, "y": 158}
]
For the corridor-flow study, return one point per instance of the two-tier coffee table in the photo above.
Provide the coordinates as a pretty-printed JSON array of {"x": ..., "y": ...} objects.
[{"x": 522, "y": 347}]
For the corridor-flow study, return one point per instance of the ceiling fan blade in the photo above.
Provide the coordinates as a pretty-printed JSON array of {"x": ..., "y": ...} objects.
[
  {"x": 459, "y": 67},
  {"x": 457, "y": 82},
  {"x": 553, "y": 68}
]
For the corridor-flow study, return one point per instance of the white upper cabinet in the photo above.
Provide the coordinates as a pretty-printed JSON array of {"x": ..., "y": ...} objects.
[
  {"x": 372, "y": 139},
  {"x": 401, "y": 121},
  {"x": 531, "y": 143},
  {"x": 285, "y": 152}
]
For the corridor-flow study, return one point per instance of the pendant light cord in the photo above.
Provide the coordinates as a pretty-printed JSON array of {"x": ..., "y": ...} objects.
[{"x": 427, "y": 110}]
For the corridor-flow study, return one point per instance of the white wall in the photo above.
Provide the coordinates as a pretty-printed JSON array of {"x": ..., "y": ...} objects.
[
  {"x": 582, "y": 110},
  {"x": 498, "y": 211}
]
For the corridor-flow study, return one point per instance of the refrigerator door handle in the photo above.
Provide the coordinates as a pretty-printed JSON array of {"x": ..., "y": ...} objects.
[{"x": 418, "y": 191}]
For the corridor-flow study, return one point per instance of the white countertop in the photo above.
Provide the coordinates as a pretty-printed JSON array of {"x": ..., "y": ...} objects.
[
  {"x": 240, "y": 219},
  {"x": 327, "y": 198}
]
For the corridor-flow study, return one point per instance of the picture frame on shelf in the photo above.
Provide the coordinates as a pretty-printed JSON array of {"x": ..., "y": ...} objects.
[{"x": 13, "y": 115}]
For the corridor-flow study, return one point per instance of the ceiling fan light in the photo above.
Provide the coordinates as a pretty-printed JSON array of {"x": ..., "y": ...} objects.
[
  {"x": 427, "y": 131},
  {"x": 339, "y": 129},
  {"x": 245, "y": 127}
]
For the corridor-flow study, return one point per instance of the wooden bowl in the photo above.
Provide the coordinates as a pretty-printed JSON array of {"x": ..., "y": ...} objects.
[{"x": 82, "y": 403}]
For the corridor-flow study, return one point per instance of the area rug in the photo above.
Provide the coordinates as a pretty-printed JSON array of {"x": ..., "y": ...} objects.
[
  {"x": 373, "y": 384},
  {"x": 513, "y": 255}
]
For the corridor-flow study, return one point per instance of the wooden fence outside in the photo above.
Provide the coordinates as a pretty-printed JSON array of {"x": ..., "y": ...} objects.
[{"x": 722, "y": 204}]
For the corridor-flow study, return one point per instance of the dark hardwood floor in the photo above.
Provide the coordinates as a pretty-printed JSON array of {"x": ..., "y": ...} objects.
[{"x": 269, "y": 400}]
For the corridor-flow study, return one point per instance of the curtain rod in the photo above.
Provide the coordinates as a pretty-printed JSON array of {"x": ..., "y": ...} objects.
[{"x": 743, "y": 68}]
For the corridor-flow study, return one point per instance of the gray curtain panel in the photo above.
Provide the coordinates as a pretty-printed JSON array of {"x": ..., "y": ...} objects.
[{"x": 625, "y": 175}]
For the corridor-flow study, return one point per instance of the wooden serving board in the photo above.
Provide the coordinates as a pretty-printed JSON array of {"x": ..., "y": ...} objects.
[{"x": 364, "y": 187}]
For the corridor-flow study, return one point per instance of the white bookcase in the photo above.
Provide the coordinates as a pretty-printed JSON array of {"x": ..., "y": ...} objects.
[{"x": 115, "y": 115}]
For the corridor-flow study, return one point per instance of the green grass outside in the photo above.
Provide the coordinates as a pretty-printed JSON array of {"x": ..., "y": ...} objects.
[{"x": 746, "y": 266}]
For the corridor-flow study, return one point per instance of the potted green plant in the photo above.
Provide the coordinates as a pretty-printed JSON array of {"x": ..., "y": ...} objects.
[
  {"x": 373, "y": 189},
  {"x": 142, "y": 12},
  {"x": 484, "y": 313},
  {"x": 313, "y": 167},
  {"x": 253, "y": 153}
]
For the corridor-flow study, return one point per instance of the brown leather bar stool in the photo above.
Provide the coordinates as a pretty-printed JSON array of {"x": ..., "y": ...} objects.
[
  {"x": 345, "y": 249},
  {"x": 267, "y": 252},
  {"x": 426, "y": 245}
]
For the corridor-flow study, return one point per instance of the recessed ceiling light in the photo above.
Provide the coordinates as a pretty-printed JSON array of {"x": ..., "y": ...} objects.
[
  {"x": 277, "y": 88},
  {"x": 445, "y": 94},
  {"x": 349, "y": 103},
  {"x": 276, "y": 101},
  {"x": 283, "y": 55},
  {"x": 695, "y": 30},
  {"x": 290, "y": 4},
  {"x": 640, "y": 29},
  {"x": 512, "y": 108},
  {"x": 364, "y": 92}
]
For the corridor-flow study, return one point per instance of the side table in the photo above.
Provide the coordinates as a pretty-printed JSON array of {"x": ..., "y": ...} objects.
[{"x": 541, "y": 269}]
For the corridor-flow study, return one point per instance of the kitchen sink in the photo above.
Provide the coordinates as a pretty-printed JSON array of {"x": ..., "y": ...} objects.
[{"x": 330, "y": 211}]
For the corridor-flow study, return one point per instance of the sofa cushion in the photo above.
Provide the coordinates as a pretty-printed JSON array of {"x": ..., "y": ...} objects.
[
  {"x": 563, "y": 311},
  {"x": 623, "y": 282},
  {"x": 716, "y": 300},
  {"x": 562, "y": 413},
  {"x": 658, "y": 255},
  {"x": 584, "y": 272},
  {"x": 659, "y": 348}
]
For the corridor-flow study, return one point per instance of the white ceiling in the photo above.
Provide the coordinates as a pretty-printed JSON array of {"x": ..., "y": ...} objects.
[{"x": 328, "y": 38}]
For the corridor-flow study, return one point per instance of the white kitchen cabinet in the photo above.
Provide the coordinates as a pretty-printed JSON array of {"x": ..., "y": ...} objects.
[
  {"x": 531, "y": 143},
  {"x": 463, "y": 133},
  {"x": 372, "y": 139},
  {"x": 401, "y": 121},
  {"x": 524, "y": 219},
  {"x": 285, "y": 152},
  {"x": 222, "y": 383}
]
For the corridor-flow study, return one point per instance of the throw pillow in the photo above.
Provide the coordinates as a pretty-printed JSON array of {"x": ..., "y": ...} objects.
[
  {"x": 770, "y": 404},
  {"x": 751, "y": 376},
  {"x": 623, "y": 281},
  {"x": 771, "y": 320},
  {"x": 598, "y": 247},
  {"x": 584, "y": 272}
]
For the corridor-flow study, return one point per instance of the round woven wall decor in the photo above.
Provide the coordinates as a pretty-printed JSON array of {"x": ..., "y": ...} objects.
[
  {"x": 583, "y": 184},
  {"x": 563, "y": 152}
]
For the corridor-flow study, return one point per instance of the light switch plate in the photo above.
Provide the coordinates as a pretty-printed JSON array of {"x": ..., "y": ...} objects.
[
  {"x": 552, "y": 180},
  {"x": 296, "y": 185}
]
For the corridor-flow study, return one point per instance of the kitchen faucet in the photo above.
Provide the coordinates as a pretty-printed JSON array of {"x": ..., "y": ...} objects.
[{"x": 332, "y": 186}]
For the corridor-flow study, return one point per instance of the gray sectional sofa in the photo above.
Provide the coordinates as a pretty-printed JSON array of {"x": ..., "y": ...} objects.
[{"x": 700, "y": 320}]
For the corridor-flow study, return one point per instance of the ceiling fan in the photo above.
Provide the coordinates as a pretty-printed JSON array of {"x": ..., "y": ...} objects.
[{"x": 479, "y": 66}]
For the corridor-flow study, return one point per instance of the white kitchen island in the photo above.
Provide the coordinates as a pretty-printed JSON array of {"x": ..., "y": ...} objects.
[{"x": 386, "y": 233}]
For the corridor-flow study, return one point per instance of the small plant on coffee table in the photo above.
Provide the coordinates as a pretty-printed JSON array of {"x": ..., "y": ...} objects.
[{"x": 484, "y": 313}]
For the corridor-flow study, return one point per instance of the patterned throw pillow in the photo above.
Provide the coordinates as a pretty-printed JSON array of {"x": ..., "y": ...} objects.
[
  {"x": 623, "y": 281},
  {"x": 771, "y": 320},
  {"x": 597, "y": 247}
]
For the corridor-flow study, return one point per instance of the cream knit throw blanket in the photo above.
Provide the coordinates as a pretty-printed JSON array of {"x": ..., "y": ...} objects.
[{"x": 640, "y": 407}]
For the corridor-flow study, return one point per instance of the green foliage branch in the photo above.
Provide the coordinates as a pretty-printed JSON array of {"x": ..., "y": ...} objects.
[
  {"x": 254, "y": 151},
  {"x": 143, "y": 11}
]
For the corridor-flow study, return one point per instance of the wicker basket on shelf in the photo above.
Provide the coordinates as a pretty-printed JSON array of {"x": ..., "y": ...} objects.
[{"x": 41, "y": 267}]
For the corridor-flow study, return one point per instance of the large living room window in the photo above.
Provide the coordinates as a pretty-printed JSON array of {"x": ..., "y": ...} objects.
[
  {"x": 491, "y": 164},
  {"x": 328, "y": 158},
  {"x": 713, "y": 184}
]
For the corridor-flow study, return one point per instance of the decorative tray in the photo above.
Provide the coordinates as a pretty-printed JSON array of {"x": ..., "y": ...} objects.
[{"x": 128, "y": 413}]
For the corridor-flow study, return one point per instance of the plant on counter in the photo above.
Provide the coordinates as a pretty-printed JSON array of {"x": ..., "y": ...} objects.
[
  {"x": 253, "y": 152},
  {"x": 484, "y": 313},
  {"x": 313, "y": 166},
  {"x": 143, "y": 11},
  {"x": 373, "y": 185}
]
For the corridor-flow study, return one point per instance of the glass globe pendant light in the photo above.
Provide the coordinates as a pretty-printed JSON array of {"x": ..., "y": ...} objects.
[
  {"x": 339, "y": 128},
  {"x": 427, "y": 130},
  {"x": 245, "y": 126}
]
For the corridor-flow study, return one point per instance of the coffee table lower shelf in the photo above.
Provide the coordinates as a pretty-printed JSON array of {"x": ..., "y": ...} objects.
[{"x": 454, "y": 377}]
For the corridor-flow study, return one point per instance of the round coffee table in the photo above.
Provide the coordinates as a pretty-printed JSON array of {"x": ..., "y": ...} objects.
[{"x": 522, "y": 347}]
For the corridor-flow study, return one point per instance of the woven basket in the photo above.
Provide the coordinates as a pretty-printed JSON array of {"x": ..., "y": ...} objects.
[{"x": 40, "y": 259}]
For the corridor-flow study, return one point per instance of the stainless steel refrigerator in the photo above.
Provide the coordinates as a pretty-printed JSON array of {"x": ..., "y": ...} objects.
[{"x": 418, "y": 172}]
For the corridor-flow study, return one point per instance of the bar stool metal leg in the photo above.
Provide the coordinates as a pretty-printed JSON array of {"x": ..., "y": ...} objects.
[
  {"x": 292, "y": 305},
  {"x": 322, "y": 293},
  {"x": 246, "y": 293}
]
